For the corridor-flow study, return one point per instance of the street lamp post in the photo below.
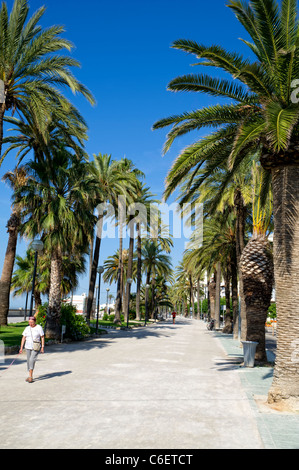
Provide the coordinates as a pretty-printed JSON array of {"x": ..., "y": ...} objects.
[
  {"x": 129, "y": 282},
  {"x": 37, "y": 246},
  {"x": 146, "y": 303},
  {"x": 100, "y": 270}
]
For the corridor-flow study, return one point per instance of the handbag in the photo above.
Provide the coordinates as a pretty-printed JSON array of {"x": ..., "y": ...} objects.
[{"x": 36, "y": 344}]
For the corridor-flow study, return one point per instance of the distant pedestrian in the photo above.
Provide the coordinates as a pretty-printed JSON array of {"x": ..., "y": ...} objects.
[
  {"x": 173, "y": 317},
  {"x": 34, "y": 340}
]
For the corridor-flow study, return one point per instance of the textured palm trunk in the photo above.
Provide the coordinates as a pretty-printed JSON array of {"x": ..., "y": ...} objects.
[
  {"x": 5, "y": 281},
  {"x": 2, "y": 112},
  {"x": 228, "y": 326},
  {"x": 198, "y": 299},
  {"x": 130, "y": 268},
  {"x": 93, "y": 268},
  {"x": 119, "y": 293},
  {"x": 139, "y": 264},
  {"x": 212, "y": 296},
  {"x": 153, "y": 282},
  {"x": 217, "y": 296},
  {"x": 235, "y": 299},
  {"x": 285, "y": 383},
  {"x": 240, "y": 243},
  {"x": 257, "y": 273},
  {"x": 54, "y": 308}
]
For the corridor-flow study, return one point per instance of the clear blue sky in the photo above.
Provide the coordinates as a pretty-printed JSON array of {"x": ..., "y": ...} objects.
[{"x": 127, "y": 62}]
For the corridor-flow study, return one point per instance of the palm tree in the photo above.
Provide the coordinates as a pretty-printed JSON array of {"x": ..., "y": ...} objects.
[
  {"x": 263, "y": 115},
  {"x": 132, "y": 206},
  {"x": 55, "y": 207},
  {"x": 228, "y": 193},
  {"x": 185, "y": 278},
  {"x": 111, "y": 267},
  {"x": 22, "y": 277},
  {"x": 111, "y": 184},
  {"x": 65, "y": 124},
  {"x": 155, "y": 262},
  {"x": 15, "y": 179},
  {"x": 32, "y": 66},
  {"x": 145, "y": 198},
  {"x": 72, "y": 265}
]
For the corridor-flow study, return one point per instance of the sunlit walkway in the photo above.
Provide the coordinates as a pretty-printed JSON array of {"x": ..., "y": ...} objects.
[{"x": 161, "y": 387}]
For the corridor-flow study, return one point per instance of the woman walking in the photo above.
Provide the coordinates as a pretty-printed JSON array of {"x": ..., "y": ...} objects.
[{"x": 34, "y": 340}]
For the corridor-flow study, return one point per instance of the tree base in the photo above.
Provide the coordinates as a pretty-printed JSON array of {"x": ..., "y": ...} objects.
[
  {"x": 281, "y": 401},
  {"x": 52, "y": 330}
]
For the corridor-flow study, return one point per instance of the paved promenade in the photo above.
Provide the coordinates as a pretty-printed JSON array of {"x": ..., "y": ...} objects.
[{"x": 161, "y": 387}]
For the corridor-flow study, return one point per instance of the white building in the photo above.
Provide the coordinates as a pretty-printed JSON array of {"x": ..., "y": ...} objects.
[{"x": 80, "y": 302}]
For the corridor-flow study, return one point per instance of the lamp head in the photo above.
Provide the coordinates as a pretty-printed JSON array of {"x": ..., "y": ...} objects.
[{"x": 37, "y": 245}]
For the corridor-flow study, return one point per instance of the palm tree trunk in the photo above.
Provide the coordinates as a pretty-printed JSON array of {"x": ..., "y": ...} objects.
[
  {"x": 93, "y": 271},
  {"x": 198, "y": 299},
  {"x": 5, "y": 281},
  {"x": 192, "y": 295},
  {"x": 212, "y": 296},
  {"x": 148, "y": 277},
  {"x": 118, "y": 302},
  {"x": 257, "y": 274},
  {"x": 240, "y": 243},
  {"x": 217, "y": 296},
  {"x": 228, "y": 327},
  {"x": 285, "y": 383},
  {"x": 52, "y": 329},
  {"x": 235, "y": 303},
  {"x": 130, "y": 266},
  {"x": 139, "y": 263},
  {"x": 153, "y": 282},
  {"x": 2, "y": 111}
]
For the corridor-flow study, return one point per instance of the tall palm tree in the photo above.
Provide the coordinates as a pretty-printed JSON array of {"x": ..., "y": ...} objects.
[
  {"x": 55, "y": 206},
  {"x": 145, "y": 198},
  {"x": 185, "y": 278},
  {"x": 229, "y": 193},
  {"x": 111, "y": 183},
  {"x": 132, "y": 201},
  {"x": 15, "y": 179},
  {"x": 154, "y": 263},
  {"x": 32, "y": 67},
  {"x": 263, "y": 115}
]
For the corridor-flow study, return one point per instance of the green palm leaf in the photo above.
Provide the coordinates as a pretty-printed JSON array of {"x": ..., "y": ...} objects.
[{"x": 280, "y": 123}]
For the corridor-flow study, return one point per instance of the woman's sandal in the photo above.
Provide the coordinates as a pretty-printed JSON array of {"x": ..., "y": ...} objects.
[{"x": 29, "y": 379}]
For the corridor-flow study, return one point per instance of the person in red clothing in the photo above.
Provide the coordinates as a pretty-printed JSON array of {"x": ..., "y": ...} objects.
[{"x": 173, "y": 317}]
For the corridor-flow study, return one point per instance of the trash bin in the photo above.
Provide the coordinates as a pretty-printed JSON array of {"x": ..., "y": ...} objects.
[{"x": 249, "y": 348}]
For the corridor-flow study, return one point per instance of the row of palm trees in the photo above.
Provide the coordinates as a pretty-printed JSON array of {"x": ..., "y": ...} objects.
[
  {"x": 247, "y": 170},
  {"x": 33, "y": 72},
  {"x": 57, "y": 191}
]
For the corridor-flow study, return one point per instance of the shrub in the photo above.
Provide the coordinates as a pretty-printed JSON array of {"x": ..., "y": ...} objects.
[{"x": 76, "y": 326}]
